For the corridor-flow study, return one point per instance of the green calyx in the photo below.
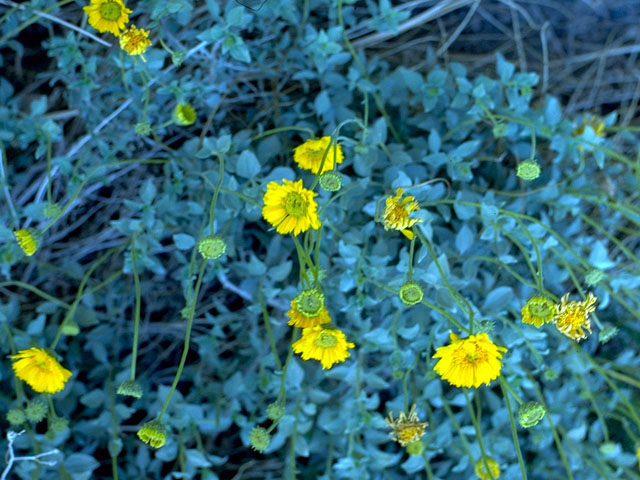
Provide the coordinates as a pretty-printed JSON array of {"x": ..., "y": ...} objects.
[
  {"x": 310, "y": 302},
  {"x": 530, "y": 414},
  {"x": 411, "y": 293}
]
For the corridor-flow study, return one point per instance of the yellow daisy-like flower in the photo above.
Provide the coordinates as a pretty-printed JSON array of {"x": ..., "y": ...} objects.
[
  {"x": 40, "y": 370},
  {"x": 184, "y": 114},
  {"x": 327, "y": 345},
  {"x": 28, "y": 240},
  {"x": 135, "y": 41},
  {"x": 481, "y": 469},
  {"x": 573, "y": 317},
  {"x": 107, "y": 15},
  {"x": 290, "y": 207},
  {"x": 397, "y": 211},
  {"x": 538, "y": 310},
  {"x": 595, "y": 122},
  {"x": 469, "y": 362},
  {"x": 309, "y": 155},
  {"x": 406, "y": 428},
  {"x": 308, "y": 310}
]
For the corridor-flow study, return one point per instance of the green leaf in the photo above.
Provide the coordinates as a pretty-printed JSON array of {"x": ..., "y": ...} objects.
[
  {"x": 248, "y": 165},
  {"x": 183, "y": 241}
]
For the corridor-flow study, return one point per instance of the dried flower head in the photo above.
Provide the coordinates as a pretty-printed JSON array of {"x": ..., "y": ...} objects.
[
  {"x": 573, "y": 317},
  {"x": 327, "y": 345},
  {"x": 311, "y": 153},
  {"x": 407, "y": 427},
  {"x": 469, "y": 362},
  {"x": 107, "y": 15},
  {"x": 130, "y": 388},
  {"x": 40, "y": 370},
  {"x": 290, "y": 207},
  {"x": 397, "y": 211},
  {"x": 331, "y": 181}
]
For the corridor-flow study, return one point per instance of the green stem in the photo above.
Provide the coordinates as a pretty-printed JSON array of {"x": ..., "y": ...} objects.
[
  {"x": 187, "y": 337},
  {"x": 214, "y": 199},
  {"x": 411, "y": 249},
  {"x": 514, "y": 433},
  {"x": 266, "y": 133},
  {"x": 136, "y": 317},
  {"x": 267, "y": 325},
  {"x": 476, "y": 427}
]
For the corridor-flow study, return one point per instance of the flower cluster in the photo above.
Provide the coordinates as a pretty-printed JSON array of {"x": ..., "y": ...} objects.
[
  {"x": 570, "y": 318},
  {"x": 112, "y": 16}
]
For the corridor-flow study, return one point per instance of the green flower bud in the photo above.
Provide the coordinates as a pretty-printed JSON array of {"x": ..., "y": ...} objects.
[
  {"x": 415, "y": 448},
  {"x": 142, "y": 128},
  {"x": 525, "y": 90},
  {"x": 550, "y": 374},
  {"x": 52, "y": 210},
  {"x": 178, "y": 57},
  {"x": 70, "y": 327},
  {"x": 130, "y": 388},
  {"x": 259, "y": 439},
  {"x": 212, "y": 247},
  {"x": 57, "y": 425},
  {"x": 331, "y": 181},
  {"x": 609, "y": 448},
  {"x": 499, "y": 130},
  {"x": 36, "y": 411},
  {"x": 485, "y": 326},
  {"x": 530, "y": 414},
  {"x": 15, "y": 416},
  {"x": 184, "y": 114},
  {"x": 397, "y": 374},
  {"x": 275, "y": 411},
  {"x": 607, "y": 333},
  {"x": 410, "y": 293},
  {"x": 153, "y": 433},
  {"x": 528, "y": 170},
  {"x": 593, "y": 277}
]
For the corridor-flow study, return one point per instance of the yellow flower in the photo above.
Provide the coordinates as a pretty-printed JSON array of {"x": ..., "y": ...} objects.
[
  {"x": 290, "y": 207},
  {"x": 28, "y": 240},
  {"x": 184, "y": 114},
  {"x": 573, "y": 317},
  {"x": 469, "y": 362},
  {"x": 538, "y": 310},
  {"x": 406, "y": 428},
  {"x": 327, "y": 345},
  {"x": 396, "y": 213},
  {"x": 308, "y": 310},
  {"x": 153, "y": 433},
  {"x": 40, "y": 370},
  {"x": 309, "y": 155},
  {"x": 595, "y": 122},
  {"x": 134, "y": 41},
  {"x": 481, "y": 469},
  {"x": 638, "y": 455},
  {"x": 107, "y": 15}
]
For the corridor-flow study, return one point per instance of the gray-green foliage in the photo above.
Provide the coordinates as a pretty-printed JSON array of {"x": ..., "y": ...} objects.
[{"x": 487, "y": 242}]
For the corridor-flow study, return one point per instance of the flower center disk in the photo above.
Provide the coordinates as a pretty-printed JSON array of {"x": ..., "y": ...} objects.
[
  {"x": 110, "y": 11},
  {"x": 295, "y": 205},
  {"x": 326, "y": 340}
]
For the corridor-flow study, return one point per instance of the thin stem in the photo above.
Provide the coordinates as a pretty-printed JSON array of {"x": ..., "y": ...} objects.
[
  {"x": 136, "y": 317},
  {"x": 216, "y": 192},
  {"x": 266, "y": 133},
  {"x": 187, "y": 337},
  {"x": 267, "y": 325},
  {"x": 514, "y": 433},
  {"x": 476, "y": 427}
]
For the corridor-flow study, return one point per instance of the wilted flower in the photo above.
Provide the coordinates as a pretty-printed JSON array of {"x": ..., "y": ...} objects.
[
  {"x": 573, "y": 317},
  {"x": 538, "y": 310},
  {"x": 407, "y": 428},
  {"x": 309, "y": 155},
  {"x": 397, "y": 211},
  {"x": 153, "y": 433},
  {"x": 481, "y": 469},
  {"x": 135, "y": 41}
]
